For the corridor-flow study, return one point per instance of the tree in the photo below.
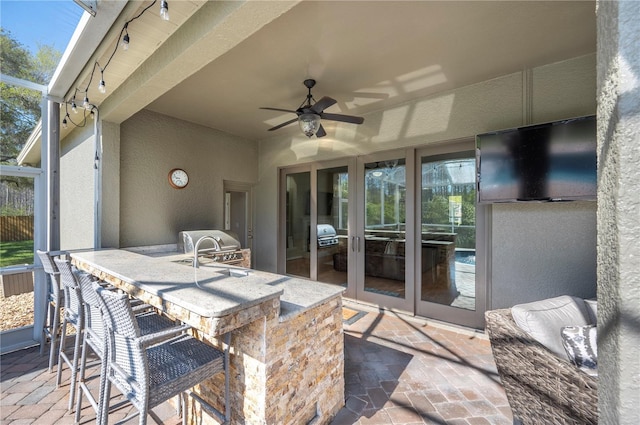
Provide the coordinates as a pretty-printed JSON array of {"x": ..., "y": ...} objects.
[{"x": 20, "y": 109}]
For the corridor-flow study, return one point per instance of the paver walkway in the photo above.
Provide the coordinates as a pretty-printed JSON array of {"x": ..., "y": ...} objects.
[
  {"x": 404, "y": 371},
  {"x": 397, "y": 371}
]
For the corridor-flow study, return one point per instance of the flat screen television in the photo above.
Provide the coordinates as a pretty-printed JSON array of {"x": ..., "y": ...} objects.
[{"x": 545, "y": 162}]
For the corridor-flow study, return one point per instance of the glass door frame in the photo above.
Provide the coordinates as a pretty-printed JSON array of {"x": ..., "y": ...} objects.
[
  {"x": 313, "y": 169},
  {"x": 405, "y": 304},
  {"x": 470, "y": 318},
  {"x": 350, "y": 164},
  {"x": 283, "y": 172}
]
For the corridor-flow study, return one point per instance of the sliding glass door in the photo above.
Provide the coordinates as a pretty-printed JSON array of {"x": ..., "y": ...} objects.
[
  {"x": 297, "y": 214},
  {"x": 400, "y": 230},
  {"x": 332, "y": 224},
  {"x": 383, "y": 240},
  {"x": 448, "y": 285}
]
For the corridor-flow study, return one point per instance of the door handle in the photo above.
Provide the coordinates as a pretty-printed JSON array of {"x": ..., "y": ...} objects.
[{"x": 355, "y": 243}]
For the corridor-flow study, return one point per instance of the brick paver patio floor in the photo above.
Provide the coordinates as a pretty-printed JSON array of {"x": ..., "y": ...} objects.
[{"x": 397, "y": 371}]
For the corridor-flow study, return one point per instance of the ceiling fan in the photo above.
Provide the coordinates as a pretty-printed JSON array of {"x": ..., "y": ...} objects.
[{"x": 310, "y": 114}]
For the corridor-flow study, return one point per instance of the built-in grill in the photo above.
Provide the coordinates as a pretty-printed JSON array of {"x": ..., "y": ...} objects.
[
  {"x": 227, "y": 251},
  {"x": 326, "y": 235}
]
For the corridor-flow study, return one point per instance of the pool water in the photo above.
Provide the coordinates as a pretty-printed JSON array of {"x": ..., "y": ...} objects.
[{"x": 466, "y": 257}]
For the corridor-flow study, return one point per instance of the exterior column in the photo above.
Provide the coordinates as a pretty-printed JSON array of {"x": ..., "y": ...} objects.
[
  {"x": 618, "y": 226},
  {"x": 108, "y": 184}
]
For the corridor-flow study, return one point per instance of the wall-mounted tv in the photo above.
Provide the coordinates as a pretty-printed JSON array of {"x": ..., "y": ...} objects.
[{"x": 545, "y": 162}]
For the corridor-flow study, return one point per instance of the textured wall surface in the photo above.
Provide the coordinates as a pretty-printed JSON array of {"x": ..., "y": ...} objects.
[
  {"x": 151, "y": 211},
  {"x": 110, "y": 185},
  {"x": 619, "y": 211},
  {"x": 77, "y": 189},
  {"x": 551, "y": 251}
]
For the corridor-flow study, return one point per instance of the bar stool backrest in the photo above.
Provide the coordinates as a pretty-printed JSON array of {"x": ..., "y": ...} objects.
[
  {"x": 52, "y": 271},
  {"x": 124, "y": 348},
  {"x": 72, "y": 295},
  {"x": 94, "y": 326}
]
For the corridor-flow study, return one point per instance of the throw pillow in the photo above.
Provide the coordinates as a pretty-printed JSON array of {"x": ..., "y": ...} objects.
[
  {"x": 544, "y": 319},
  {"x": 580, "y": 342}
]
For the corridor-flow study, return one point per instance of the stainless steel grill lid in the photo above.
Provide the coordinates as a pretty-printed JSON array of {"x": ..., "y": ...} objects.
[
  {"x": 187, "y": 239},
  {"x": 326, "y": 235}
]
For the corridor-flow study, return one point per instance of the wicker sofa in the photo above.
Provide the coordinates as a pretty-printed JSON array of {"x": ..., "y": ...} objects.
[{"x": 541, "y": 387}]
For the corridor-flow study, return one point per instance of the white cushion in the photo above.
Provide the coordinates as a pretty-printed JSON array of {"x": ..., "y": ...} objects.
[
  {"x": 592, "y": 309},
  {"x": 544, "y": 319}
]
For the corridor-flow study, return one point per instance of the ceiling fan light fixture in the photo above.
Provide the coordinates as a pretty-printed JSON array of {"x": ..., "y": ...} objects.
[{"x": 309, "y": 123}]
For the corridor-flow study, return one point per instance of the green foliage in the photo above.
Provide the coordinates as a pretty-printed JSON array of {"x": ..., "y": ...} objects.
[
  {"x": 15, "y": 253},
  {"x": 11, "y": 211},
  {"x": 20, "y": 108},
  {"x": 435, "y": 210}
]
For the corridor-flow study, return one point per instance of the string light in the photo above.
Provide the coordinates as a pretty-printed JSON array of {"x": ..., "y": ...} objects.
[
  {"x": 101, "y": 87},
  {"x": 124, "y": 43},
  {"x": 164, "y": 10}
]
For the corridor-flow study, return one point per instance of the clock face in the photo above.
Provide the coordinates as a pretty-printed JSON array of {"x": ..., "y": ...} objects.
[{"x": 178, "y": 178}]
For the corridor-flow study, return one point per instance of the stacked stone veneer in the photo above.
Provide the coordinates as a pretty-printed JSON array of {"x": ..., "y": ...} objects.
[{"x": 283, "y": 370}]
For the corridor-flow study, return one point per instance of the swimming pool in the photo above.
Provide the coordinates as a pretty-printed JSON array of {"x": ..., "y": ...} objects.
[{"x": 466, "y": 257}]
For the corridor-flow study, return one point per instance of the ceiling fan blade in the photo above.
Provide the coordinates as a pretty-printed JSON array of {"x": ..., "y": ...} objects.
[
  {"x": 323, "y": 104},
  {"x": 343, "y": 118},
  {"x": 321, "y": 132},
  {"x": 278, "y": 109},
  {"x": 284, "y": 124}
]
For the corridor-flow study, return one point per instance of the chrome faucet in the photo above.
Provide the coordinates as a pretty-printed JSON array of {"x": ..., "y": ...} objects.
[{"x": 216, "y": 247}]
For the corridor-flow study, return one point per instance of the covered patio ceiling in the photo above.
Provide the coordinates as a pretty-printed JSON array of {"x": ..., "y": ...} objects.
[{"x": 216, "y": 63}]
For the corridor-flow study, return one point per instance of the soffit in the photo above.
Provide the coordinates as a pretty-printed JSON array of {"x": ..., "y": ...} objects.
[
  {"x": 374, "y": 55},
  {"x": 216, "y": 63}
]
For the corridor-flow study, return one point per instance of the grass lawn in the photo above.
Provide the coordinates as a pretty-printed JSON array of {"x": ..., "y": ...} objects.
[{"x": 14, "y": 253}]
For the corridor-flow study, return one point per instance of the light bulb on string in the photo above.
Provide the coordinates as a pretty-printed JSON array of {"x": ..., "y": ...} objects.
[
  {"x": 92, "y": 114},
  {"x": 74, "y": 107},
  {"x": 64, "y": 121},
  {"x": 102, "y": 88},
  {"x": 164, "y": 10},
  {"x": 85, "y": 103},
  {"x": 125, "y": 42}
]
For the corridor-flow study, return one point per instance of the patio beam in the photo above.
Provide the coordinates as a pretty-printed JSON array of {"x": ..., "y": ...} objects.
[{"x": 210, "y": 33}]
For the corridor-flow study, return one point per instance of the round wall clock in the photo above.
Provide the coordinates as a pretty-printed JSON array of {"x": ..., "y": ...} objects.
[{"x": 178, "y": 178}]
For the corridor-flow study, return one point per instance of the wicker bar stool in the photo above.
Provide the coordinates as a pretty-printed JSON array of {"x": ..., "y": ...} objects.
[
  {"x": 74, "y": 316},
  {"x": 55, "y": 300},
  {"x": 93, "y": 337},
  {"x": 151, "y": 369}
]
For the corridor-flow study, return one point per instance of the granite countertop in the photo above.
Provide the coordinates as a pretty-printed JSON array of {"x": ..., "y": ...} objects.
[{"x": 211, "y": 290}]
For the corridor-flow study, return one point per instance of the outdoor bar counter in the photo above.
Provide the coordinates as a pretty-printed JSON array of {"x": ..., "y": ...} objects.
[{"x": 287, "y": 344}]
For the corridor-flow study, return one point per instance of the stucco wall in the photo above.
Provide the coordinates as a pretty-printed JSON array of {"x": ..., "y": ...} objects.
[
  {"x": 151, "y": 144},
  {"x": 77, "y": 189},
  {"x": 543, "y": 250},
  {"x": 551, "y": 92},
  {"x": 618, "y": 212}
]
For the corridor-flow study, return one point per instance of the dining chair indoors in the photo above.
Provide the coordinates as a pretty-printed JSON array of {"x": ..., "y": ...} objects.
[{"x": 150, "y": 369}]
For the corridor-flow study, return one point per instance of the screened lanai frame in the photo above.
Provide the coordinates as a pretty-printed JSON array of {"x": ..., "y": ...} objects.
[{"x": 46, "y": 212}]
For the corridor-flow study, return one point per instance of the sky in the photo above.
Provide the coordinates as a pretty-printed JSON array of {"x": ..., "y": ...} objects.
[{"x": 45, "y": 22}]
